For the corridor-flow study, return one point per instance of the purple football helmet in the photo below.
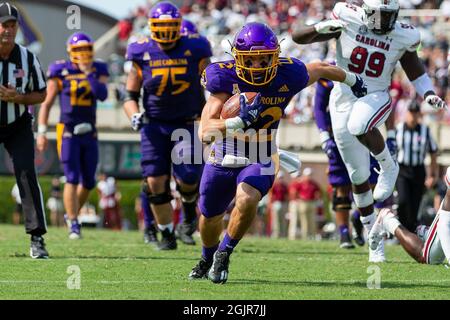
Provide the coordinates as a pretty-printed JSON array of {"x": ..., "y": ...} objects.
[
  {"x": 187, "y": 27},
  {"x": 80, "y": 48},
  {"x": 164, "y": 21},
  {"x": 256, "y": 51}
]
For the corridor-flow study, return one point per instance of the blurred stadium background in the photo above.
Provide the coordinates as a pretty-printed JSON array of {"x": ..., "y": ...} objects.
[{"x": 43, "y": 30}]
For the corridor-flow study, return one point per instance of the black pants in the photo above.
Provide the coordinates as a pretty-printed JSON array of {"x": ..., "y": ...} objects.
[
  {"x": 19, "y": 142},
  {"x": 410, "y": 188}
]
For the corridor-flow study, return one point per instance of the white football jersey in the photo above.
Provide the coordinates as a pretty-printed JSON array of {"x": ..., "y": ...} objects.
[{"x": 367, "y": 54}]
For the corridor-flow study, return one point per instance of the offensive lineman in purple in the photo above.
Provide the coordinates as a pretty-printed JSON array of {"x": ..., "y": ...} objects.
[
  {"x": 256, "y": 68},
  {"x": 79, "y": 82},
  {"x": 168, "y": 67}
]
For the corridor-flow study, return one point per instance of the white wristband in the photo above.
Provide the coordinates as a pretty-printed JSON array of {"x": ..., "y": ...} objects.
[
  {"x": 324, "y": 136},
  {"x": 391, "y": 134},
  {"x": 423, "y": 84},
  {"x": 42, "y": 129},
  {"x": 350, "y": 79},
  {"x": 234, "y": 123}
]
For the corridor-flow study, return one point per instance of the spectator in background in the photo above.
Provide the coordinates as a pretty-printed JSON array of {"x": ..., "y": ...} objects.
[
  {"x": 109, "y": 202},
  {"x": 414, "y": 140},
  {"x": 55, "y": 204},
  {"x": 17, "y": 214},
  {"x": 304, "y": 193},
  {"x": 279, "y": 196}
]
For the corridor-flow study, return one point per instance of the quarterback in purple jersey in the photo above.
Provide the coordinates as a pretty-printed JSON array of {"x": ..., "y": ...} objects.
[
  {"x": 245, "y": 170},
  {"x": 79, "y": 82},
  {"x": 168, "y": 67},
  {"x": 337, "y": 172}
]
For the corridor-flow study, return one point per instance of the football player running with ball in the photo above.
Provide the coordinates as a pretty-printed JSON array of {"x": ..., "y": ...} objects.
[
  {"x": 370, "y": 42},
  {"x": 242, "y": 166}
]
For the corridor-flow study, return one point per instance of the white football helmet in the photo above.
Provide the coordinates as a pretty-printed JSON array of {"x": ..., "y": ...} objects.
[{"x": 380, "y": 15}]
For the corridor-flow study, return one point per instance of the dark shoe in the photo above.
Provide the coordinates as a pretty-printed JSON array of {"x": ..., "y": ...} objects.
[
  {"x": 37, "y": 248},
  {"x": 219, "y": 269},
  {"x": 185, "y": 232},
  {"x": 346, "y": 242},
  {"x": 358, "y": 228},
  {"x": 150, "y": 235},
  {"x": 200, "y": 271},
  {"x": 168, "y": 241},
  {"x": 75, "y": 229}
]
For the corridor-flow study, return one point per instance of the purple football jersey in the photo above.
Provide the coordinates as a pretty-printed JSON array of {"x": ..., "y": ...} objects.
[
  {"x": 321, "y": 100},
  {"x": 171, "y": 79},
  {"x": 291, "y": 78},
  {"x": 76, "y": 99}
]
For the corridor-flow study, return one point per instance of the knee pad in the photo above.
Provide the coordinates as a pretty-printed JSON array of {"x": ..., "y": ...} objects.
[
  {"x": 188, "y": 197},
  {"x": 356, "y": 127},
  {"x": 341, "y": 203},
  {"x": 359, "y": 176},
  {"x": 160, "y": 198},
  {"x": 363, "y": 200},
  {"x": 157, "y": 198}
]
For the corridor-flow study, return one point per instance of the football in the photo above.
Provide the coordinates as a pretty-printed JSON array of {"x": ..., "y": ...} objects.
[{"x": 232, "y": 106}]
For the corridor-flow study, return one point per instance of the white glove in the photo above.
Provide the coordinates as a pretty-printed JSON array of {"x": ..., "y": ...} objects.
[
  {"x": 436, "y": 102},
  {"x": 330, "y": 26},
  {"x": 137, "y": 121}
]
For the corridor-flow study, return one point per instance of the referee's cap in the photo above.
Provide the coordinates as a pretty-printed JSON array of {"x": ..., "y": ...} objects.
[{"x": 8, "y": 12}]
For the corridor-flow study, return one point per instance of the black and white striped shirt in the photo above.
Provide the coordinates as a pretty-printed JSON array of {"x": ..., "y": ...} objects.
[
  {"x": 413, "y": 144},
  {"x": 23, "y": 71}
]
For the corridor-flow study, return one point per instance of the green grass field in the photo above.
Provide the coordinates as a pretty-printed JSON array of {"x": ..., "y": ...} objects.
[{"x": 118, "y": 265}]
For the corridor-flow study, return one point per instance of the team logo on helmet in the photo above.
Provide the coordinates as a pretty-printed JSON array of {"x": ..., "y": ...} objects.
[
  {"x": 380, "y": 15},
  {"x": 164, "y": 21},
  {"x": 256, "y": 52},
  {"x": 80, "y": 48}
]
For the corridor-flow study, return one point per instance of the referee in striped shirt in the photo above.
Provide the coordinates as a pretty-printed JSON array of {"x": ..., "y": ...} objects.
[
  {"x": 414, "y": 142},
  {"x": 22, "y": 83}
]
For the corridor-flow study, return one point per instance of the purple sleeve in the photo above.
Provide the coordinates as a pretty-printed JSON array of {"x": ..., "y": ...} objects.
[
  {"x": 102, "y": 69},
  {"x": 211, "y": 79},
  {"x": 133, "y": 52},
  {"x": 99, "y": 89},
  {"x": 54, "y": 70},
  {"x": 321, "y": 113},
  {"x": 205, "y": 48},
  {"x": 300, "y": 74}
]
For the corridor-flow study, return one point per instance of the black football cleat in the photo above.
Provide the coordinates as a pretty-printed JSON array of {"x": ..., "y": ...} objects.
[
  {"x": 37, "y": 248},
  {"x": 150, "y": 235},
  {"x": 168, "y": 241},
  {"x": 200, "y": 271},
  {"x": 358, "y": 228},
  {"x": 219, "y": 269},
  {"x": 185, "y": 231}
]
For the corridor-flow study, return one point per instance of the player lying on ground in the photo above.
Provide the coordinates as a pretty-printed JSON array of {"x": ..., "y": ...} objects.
[{"x": 430, "y": 245}]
